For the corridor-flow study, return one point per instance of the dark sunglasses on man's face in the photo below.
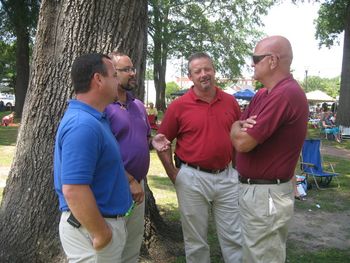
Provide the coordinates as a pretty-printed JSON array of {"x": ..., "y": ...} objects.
[{"x": 258, "y": 58}]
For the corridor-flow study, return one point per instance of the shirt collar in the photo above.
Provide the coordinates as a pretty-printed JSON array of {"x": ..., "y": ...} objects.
[
  {"x": 78, "y": 104},
  {"x": 218, "y": 94}
]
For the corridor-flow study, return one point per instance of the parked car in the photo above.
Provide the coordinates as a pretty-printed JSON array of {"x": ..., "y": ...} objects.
[{"x": 7, "y": 99}]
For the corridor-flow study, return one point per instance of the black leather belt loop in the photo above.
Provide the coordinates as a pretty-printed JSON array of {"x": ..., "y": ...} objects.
[{"x": 262, "y": 181}]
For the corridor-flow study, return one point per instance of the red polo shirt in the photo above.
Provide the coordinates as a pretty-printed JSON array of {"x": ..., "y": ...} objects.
[
  {"x": 280, "y": 130},
  {"x": 202, "y": 129}
]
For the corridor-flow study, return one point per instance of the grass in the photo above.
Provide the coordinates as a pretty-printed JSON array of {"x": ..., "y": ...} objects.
[
  {"x": 8, "y": 134},
  {"x": 331, "y": 200},
  {"x": 8, "y": 137}
]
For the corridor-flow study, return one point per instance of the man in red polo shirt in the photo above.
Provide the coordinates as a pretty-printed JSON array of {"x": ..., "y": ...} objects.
[
  {"x": 268, "y": 140},
  {"x": 203, "y": 175}
]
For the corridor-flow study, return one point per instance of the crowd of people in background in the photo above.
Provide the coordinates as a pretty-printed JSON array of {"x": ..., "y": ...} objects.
[{"x": 324, "y": 118}]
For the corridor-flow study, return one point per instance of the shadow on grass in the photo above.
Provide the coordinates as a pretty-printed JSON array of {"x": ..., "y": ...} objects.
[
  {"x": 8, "y": 135},
  {"x": 297, "y": 254}
]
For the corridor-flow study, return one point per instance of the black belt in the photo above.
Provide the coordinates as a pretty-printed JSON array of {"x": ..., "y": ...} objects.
[
  {"x": 75, "y": 223},
  {"x": 262, "y": 181},
  {"x": 113, "y": 216},
  {"x": 211, "y": 171}
]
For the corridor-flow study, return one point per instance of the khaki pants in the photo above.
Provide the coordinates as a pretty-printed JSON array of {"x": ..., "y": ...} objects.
[
  {"x": 135, "y": 225},
  {"x": 266, "y": 212},
  {"x": 197, "y": 192},
  {"x": 78, "y": 247}
]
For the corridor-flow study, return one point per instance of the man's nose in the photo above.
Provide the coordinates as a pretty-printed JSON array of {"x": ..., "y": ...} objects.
[{"x": 202, "y": 73}]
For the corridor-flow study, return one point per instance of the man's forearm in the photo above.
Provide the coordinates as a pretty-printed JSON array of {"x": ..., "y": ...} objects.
[
  {"x": 166, "y": 159},
  {"x": 240, "y": 139}
]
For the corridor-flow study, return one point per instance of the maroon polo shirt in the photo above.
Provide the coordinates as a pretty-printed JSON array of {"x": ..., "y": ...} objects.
[
  {"x": 202, "y": 129},
  {"x": 280, "y": 131}
]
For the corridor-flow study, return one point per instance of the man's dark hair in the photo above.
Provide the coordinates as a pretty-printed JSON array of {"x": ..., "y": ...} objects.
[
  {"x": 84, "y": 68},
  {"x": 196, "y": 56}
]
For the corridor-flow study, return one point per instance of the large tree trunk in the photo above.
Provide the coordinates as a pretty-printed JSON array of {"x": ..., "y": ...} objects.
[
  {"x": 343, "y": 115},
  {"x": 22, "y": 67},
  {"x": 159, "y": 58},
  {"x": 159, "y": 83},
  {"x": 29, "y": 212}
]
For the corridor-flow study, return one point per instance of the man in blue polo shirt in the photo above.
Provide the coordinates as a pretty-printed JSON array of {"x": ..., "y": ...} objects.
[{"x": 89, "y": 176}]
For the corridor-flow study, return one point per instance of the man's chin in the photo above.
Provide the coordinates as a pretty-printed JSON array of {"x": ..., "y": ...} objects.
[{"x": 129, "y": 87}]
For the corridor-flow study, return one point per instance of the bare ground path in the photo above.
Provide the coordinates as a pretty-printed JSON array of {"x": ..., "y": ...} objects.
[{"x": 343, "y": 153}]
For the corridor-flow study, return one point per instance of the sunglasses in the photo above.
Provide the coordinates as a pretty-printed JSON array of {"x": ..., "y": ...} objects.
[{"x": 258, "y": 58}]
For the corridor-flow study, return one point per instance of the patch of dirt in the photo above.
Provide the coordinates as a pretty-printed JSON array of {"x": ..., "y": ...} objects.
[
  {"x": 167, "y": 247},
  {"x": 315, "y": 229}
]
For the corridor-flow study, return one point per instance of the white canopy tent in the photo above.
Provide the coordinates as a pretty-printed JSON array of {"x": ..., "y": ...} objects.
[{"x": 318, "y": 96}]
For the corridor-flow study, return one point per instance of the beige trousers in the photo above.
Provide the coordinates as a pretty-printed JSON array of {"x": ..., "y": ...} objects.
[
  {"x": 78, "y": 247},
  {"x": 197, "y": 192},
  {"x": 266, "y": 211},
  {"x": 135, "y": 225}
]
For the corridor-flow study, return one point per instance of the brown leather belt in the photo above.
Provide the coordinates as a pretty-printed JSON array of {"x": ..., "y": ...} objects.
[{"x": 261, "y": 181}]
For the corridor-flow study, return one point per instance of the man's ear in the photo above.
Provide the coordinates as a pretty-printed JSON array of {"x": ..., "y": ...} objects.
[
  {"x": 189, "y": 76},
  {"x": 97, "y": 79}
]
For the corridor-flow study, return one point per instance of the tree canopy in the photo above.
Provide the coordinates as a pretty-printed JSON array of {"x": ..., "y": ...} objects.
[
  {"x": 7, "y": 65},
  {"x": 225, "y": 29},
  {"x": 19, "y": 19},
  {"x": 334, "y": 19},
  {"x": 327, "y": 85}
]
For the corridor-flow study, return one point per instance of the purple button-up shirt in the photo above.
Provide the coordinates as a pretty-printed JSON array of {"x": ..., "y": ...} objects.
[{"x": 130, "y": 127}]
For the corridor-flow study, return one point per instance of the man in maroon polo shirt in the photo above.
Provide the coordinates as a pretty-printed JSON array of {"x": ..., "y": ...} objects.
[
  {"x": 268, "y": 140},
  {"x": 203, "y": 174}
]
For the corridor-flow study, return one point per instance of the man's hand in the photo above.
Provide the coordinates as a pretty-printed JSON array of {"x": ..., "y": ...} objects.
[
  {"x": 102, "y": 239},
  {"x": 82, "y": 204},
  {"x": 160, "y": 142},
  {"x": 137, "y": 192},
  {"x": 248, "y": 123}
]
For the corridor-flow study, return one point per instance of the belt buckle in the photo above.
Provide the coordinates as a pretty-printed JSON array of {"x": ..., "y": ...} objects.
[{"x": 216, "y": 171}]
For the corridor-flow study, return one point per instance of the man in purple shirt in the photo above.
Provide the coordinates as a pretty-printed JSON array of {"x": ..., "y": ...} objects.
[{"x": 129, "y": 124}]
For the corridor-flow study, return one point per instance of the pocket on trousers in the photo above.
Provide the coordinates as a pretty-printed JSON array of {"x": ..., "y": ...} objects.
[
  {"x": 186, "y": 177},
  {"x": 254, "y": 201},
  {"x": 102, "y": 250}
]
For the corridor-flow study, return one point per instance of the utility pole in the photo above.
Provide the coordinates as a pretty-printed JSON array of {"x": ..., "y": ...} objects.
[
  {"x": 182, "y": 62},
  {"x": 305, "y": 80}
]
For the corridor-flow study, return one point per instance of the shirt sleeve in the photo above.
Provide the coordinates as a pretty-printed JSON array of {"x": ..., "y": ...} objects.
[
  {"x": 80, "y": 151},
  {"x": 269, "y": 119},
  {"x": 169, "y": 126}
]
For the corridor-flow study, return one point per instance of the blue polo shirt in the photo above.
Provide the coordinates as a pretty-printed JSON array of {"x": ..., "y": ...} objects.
[{"x": 87, "y": 153}]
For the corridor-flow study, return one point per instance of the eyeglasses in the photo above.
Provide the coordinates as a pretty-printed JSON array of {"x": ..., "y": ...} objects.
[
  {"x": 258, "y": 58},
  {"x": 127, "y": 70}
]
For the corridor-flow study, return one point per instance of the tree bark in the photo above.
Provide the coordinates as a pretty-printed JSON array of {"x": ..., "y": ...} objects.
[
  {"x": 343, "y": 114},
  {"x": 29, "y": 212}
]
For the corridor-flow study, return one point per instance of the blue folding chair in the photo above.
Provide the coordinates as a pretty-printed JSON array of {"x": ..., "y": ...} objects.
[{"x": 312, "y": 164}]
